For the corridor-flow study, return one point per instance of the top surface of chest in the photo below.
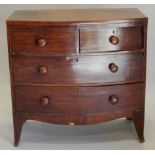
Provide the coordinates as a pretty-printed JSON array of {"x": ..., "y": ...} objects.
[{"x": 74, "y": 16}]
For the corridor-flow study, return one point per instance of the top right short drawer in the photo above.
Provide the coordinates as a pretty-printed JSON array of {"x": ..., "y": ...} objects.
[{"x": 111, "y": 39}]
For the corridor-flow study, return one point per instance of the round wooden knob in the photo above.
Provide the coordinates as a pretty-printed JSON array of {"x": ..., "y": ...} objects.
[
  {"x": 42, "y": 69},
  {"x": 113, "y": 99},
  {"x": 44, "y": 100},
  {"x": 41, "y": 42},
  {"x": 114, "y": 40},
  {"x": 113, "y": 68}
]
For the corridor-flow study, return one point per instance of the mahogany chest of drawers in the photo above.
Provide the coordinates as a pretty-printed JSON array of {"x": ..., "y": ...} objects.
[{"x": 77, "y": 66}]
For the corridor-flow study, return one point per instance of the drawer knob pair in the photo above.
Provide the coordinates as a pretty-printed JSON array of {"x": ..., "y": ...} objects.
[
  {"x": 44, "y": 101},
  {"x": 42, "y": 42},
  {"x": 113, "y": 67},
  {"x": 113, "y": 99},
  {"x": 114, "y": 40}
]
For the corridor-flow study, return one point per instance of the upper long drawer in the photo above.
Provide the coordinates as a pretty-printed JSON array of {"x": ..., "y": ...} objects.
[
  {"x": 101, "y": 69},
  {"x": 111, "y": 39},
  {"x": 43, "y": 40}
]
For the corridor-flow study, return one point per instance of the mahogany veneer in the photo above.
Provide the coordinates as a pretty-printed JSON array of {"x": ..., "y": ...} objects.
[{"x": 85, "y": 66}]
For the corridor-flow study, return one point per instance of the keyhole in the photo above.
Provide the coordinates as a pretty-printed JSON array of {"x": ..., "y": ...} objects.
[{"x": 113, "y": 31}]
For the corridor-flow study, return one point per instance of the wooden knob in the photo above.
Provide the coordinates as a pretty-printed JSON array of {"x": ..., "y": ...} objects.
[
  {"x": 41, "y": 42},
  {"x": 42, "y": 69},
  {"x": 114, "y": 40},
  {"x": 113, "y": 99},
  {"x": 113, "y": 68},
  {"x": 44, "y": 100}
]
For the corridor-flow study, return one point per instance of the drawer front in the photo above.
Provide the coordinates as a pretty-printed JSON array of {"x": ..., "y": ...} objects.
[
  {"x": 43, "y": 40},
  {"x": 108, "y": 68},
  {"x": 79, "y": 100},
  {"x": 111, "y": 39}
]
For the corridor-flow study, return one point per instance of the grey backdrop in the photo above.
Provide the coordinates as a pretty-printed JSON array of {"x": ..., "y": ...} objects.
[{"x": 119, "y": 134}]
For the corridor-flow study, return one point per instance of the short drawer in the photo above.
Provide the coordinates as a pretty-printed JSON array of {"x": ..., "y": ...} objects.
[
  {"x": 79, "y": 100},
  {"x": 102, "y": 69},
  {"x": 43, "y": 40},
  {"x": 111, "y": 39}
]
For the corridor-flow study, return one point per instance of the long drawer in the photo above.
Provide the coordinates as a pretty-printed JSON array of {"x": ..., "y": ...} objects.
[
  {"x": 78, "y": 100},
  {"x": 107, "y": 68}
]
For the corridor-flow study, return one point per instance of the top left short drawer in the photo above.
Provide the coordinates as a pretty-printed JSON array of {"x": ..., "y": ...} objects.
[{"x": 43, "y": 41}]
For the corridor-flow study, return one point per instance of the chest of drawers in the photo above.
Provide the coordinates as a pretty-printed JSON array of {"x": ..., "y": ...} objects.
[{"x": 77, "y": 67}]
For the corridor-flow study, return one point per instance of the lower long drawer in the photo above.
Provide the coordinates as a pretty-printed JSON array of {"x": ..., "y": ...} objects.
[{"x": 79, "y": 100}]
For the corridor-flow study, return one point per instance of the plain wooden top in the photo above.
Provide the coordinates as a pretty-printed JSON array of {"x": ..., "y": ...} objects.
[{"x": 75, "y": 16}]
